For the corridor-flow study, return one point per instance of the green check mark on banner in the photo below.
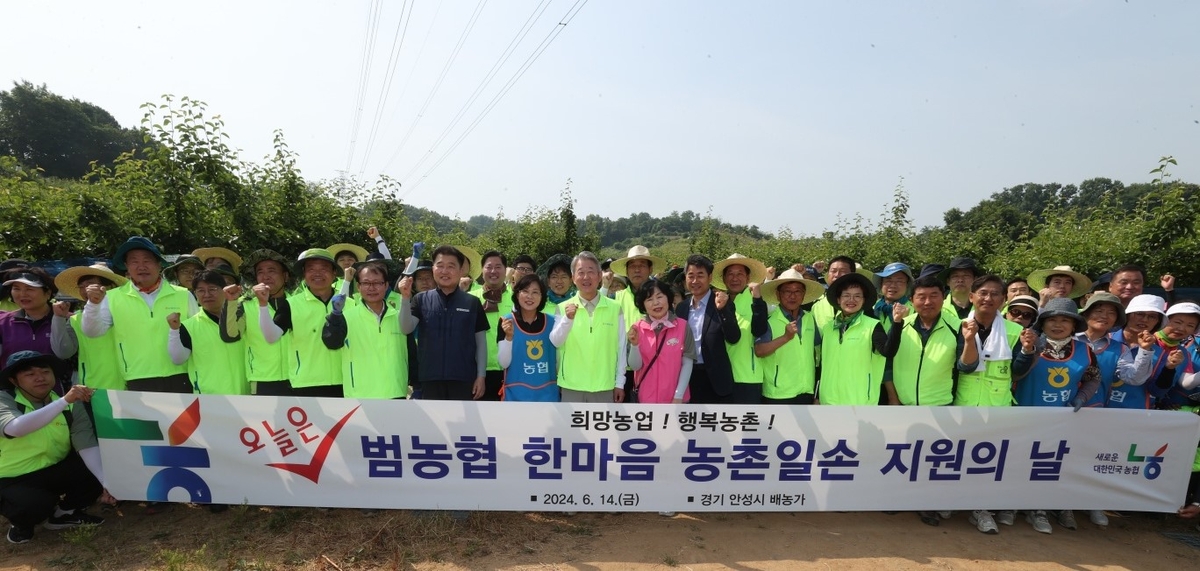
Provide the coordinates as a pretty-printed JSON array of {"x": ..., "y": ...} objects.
[{"x": 121, "y": 428}]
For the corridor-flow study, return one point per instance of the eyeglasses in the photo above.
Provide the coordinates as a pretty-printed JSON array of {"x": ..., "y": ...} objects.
[
  {"x": 850, "y": 297},
  {"x": 523, "y": 269},
  {"x": 371, "y": 284},
  {"x": 987, "y": 293}
]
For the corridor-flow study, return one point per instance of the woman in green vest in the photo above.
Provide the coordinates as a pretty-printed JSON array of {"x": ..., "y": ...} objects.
[
  {"x": 98, "y": 367},
  {"x": 854, "y": 346},
  {"x": 788, "y": 353},
  {"x": 51, "y": 469},
  {"x": 214, "y": 366}
]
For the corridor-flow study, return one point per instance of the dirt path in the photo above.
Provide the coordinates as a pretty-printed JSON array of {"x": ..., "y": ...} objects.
[{"x": 187, "y": 537}]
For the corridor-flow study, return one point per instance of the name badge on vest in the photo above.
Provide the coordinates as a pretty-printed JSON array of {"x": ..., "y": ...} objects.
[{"x": 462, "y": 309}]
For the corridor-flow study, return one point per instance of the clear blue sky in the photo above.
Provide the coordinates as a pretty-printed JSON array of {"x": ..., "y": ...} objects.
[{"x": 772, "y": 113}]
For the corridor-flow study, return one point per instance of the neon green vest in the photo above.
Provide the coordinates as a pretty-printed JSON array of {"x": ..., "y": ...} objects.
[
  {"x": 951, "y": 311},
  {"x": 923, "y": 373},
  {"x": 215, "y": 367},
  {"x": 43, "y": 447},
  {"x": 851, "y": 371},
  {"x": 992, "y": 386},
  {"x": 141, "y": 332},
  {"x": 588, "y": 359},
  {"x": 822, "y": 312},
  {"x": 628, "y": 308},
  {"x": 98, "y": 365},
  {"x": 792, "y": 369},
  {"x": 264, "y": 361},
  {"x": 310, "y": 363},
  {"x": 506, "y": 308},
  {"x": 746, "y": 367},
  {"x": 375, "y": 358}
]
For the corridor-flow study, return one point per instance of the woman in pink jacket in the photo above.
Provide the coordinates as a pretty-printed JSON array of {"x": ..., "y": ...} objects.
[{"x": 661, "y": 348}]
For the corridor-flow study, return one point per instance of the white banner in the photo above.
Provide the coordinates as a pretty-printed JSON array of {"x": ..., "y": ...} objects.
[{"x": 581, "y": 457}]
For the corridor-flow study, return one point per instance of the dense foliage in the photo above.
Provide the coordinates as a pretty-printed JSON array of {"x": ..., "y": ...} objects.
[{"x": 181, "y": 185}]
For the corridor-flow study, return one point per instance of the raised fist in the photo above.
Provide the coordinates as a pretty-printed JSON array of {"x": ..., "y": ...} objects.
[
  {"x": 232, "y": 292},
  {"x": 173, "y": 320},
  {"x": 899, "y": 312},
  {"x": 1028, "y": 341},
  {"x": 262, "y": 292},
  {"x": 372, "y": 232},
  {"x": 405, "y": 287},
  {"x": 95, "y": 293},
  {"x": 1167, "y": 282},
  {"x": 62, "y": 309},
  {"x": 506, "y": 325},
  {"x": 969, "y": 329},
  {"x": 755, "y": 290},
  {"x": 1146, "y": 341},
  {"x": 1174, "y": 359},
  {"x": 633, "y": 336},
  {"x": 720, "y": 298},
  {"x": 569, "y": 310}
]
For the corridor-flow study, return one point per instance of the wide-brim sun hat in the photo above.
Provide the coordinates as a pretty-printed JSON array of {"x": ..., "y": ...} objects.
[
  {"x": 249, "y": 267},
  {"x": 960, "y": 263},
  {"x": 638, "y": 252},
  {"x": 172, "y": 270},
  {"x": 1105, "y": 297},
  {"x": 812, "y": 290},
  {"x": 68, "y": 280},
  {"x": 1037, "y": 280},
  {"x": 553, "y": 262},
  {"x": 839, "y": 285},
  {"x": 314, "y": 254},
  {"x": 757, "y": 270},
  {"x": 360, "y": 253},
  {"x": 1060, "y": 307},
  {"x": 22, "y": 359},
  {"x": 1148, "y": 303},
  {"x": 206, "y": 254},
  {"x": 135, "y": 243}
]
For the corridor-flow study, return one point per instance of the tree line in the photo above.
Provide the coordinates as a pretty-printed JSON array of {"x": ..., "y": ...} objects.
[{"x": 77, "y": 185}]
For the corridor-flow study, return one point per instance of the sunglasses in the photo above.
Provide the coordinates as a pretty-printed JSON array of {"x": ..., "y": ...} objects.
[{"x": 1022, "y": 314}]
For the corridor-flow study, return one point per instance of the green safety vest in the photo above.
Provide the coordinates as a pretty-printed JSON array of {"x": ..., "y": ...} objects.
[
  {"x": 98, "y": 365},
  {"x": 923, "y": 372},
  {"x": 792, "y": 369},
  {"x": 264, "y": 361},
  {"x": 215, "y": 367},
  {"x": 851, "y": 371},
  {"x": 141, "y": 331},
  {"x": 375, "y": 358},
  {"x": 493, "y": 319},
  {"x": 745, "y": 365},
  {"x": 822, "y": 312},
  {"x": 39, "y": 449},
  {"x": 310, "y": 363},
  {"x": 992, "y": 386},
  {"x": 588, "y": 359},
  {"x": 625, "y": 298}
]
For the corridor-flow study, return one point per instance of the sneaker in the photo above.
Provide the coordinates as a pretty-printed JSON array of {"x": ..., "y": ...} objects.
[
  {"x": 72, "y": 519},
  {"x": 19, "y": 535},
  {"x": 1039, "y": 521},
  {"x": 982, "y": 520},
  {"x": 667, "y": 514},
  {"x": 1098, "y": 517},
  {"x": 1066, "y": 518},
  {"x": 929, "y": 518},
  {"x": 1006, "y": 517},
  {"x": 945, "y": 515}
]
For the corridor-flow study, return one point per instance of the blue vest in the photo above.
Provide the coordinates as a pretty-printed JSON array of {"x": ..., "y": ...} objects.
[
  {"x": 1106, "y": 360},
  {"x": 532, "y": 374},
  {"x": 1051, "y": 382},
  {"x": 1121, "y": 395}
]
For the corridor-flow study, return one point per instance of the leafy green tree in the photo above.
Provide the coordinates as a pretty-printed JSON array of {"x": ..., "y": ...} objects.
[{"x": 58, "y": 135}]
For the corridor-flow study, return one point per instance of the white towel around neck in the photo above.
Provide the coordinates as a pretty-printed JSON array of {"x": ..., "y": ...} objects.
[{"x": 996, "y": 347}]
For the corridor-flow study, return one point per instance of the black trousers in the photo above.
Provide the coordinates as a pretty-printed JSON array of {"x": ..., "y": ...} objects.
[
  {"x": 446, "y": 390},
  {"x": 329, "y": 391},
  {"x": 492, "y": 381},
  {"x": 29, "y": 499},
  {"x": 747, "y": 393},
  {"x": 274, "y": 388},
  {"x": 702, "y": 389},
  {"x": 172, "y": 384}
]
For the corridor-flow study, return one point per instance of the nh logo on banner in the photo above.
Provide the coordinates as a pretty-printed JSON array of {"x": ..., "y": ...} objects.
[{"x": 177, "y": 462}]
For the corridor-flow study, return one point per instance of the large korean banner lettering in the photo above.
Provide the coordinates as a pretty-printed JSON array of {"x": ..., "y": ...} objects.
[{"x": 577, "y": 457}]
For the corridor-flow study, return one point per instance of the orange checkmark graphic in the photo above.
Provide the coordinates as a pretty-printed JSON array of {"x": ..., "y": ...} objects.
[{"x": 312, "y": 470}]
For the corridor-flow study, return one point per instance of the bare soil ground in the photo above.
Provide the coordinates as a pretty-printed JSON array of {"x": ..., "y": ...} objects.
[{"x": 251, "y": 538}]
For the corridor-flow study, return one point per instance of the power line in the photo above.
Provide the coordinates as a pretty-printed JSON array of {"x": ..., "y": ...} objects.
[
  {"x": 491, "y": 74},
  {"x": 364, "y": 73},
  {"x": 389, "y": 75},
  {"x": 462, "y": 38},
  {"x": 562, "y": 24}
]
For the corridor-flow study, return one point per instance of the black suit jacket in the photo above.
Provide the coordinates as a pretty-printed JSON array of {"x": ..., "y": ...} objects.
[{"x": 720, "y": 327}]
